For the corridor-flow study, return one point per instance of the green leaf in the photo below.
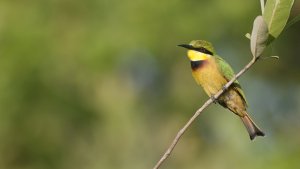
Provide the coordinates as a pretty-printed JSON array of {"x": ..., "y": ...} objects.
[
  {"x": 259, "y": 36},
  {"x": 292, "y": 22},
  {"x": 276, "y": 15}
]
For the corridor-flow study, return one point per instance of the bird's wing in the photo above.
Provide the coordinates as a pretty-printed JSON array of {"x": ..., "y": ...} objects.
[{"x": 228, "y": 74}]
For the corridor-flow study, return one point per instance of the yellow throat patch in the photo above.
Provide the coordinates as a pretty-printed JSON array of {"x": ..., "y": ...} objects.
[{"x": 197, "y": 56}]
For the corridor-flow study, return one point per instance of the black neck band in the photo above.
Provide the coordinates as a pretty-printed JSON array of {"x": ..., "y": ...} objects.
[{"x": 197, "y": 64}]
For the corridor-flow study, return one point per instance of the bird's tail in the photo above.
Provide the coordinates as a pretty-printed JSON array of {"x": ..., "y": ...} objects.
[{"x": 252, "y": 128}]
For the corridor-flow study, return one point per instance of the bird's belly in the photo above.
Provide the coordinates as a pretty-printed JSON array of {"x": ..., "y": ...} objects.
[{"x": 210, "y": 79}]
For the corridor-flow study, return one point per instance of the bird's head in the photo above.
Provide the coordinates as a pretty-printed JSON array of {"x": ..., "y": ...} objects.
[{"x": 199, "y": 50}]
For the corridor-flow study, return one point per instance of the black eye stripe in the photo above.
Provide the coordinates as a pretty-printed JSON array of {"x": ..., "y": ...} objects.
[
  {"x": 203, "y": 50},
  {"x": 199, "y": 49}
]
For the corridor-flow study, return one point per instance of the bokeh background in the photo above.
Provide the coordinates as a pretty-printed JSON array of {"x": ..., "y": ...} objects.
[{"x": 100, "y": 84}]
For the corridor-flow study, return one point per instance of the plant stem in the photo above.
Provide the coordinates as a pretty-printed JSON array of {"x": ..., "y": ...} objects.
[{"x": 262, "y": 6}]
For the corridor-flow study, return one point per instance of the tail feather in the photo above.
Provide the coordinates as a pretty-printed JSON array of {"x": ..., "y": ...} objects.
[{"x": 251, "y": 127}]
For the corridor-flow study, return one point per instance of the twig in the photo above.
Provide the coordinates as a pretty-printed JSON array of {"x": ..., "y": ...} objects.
[
  {"x": 262, "y": 6},
  {"x": 198, "y": 112}
]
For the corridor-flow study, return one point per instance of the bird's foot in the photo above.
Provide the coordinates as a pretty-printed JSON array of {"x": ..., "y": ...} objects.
[
  {"x": 213, "y": 98},
  {"x": 224, "y": 88}
]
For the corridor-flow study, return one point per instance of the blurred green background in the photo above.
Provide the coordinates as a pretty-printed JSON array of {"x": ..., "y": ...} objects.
[{"x": 100, "y": 84}]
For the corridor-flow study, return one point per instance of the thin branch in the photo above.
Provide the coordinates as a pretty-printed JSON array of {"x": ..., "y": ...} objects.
[
  {"x": 198, "y": 112},
  {"x": 262, "y": 6}
]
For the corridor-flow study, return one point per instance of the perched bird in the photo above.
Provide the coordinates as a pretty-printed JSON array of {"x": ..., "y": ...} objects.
[{"x": 212, "y": 72}]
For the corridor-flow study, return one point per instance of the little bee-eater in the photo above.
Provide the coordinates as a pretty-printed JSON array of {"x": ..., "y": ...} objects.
[{"x": 212, "y": 72}]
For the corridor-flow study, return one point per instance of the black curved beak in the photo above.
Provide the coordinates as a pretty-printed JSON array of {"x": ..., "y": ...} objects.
[{"x": 186, "y": 46}]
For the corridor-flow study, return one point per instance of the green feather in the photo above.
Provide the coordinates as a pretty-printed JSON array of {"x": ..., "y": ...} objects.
[{"x": 226, "y": 70}]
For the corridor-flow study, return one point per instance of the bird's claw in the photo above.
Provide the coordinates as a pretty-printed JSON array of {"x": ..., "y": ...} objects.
[
  {"x": 224, "y": 88},
  {"x": 212, "y": 97}
]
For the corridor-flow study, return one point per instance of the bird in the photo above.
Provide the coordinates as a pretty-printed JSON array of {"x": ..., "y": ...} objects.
[{"x": 212, "y": 72}]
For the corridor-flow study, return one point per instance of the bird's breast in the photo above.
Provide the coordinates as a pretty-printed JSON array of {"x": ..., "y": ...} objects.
[{"x": 207, "y": 75}]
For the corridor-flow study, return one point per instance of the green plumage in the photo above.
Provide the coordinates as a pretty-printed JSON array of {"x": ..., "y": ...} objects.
[{"x": 226, "y": 70}]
